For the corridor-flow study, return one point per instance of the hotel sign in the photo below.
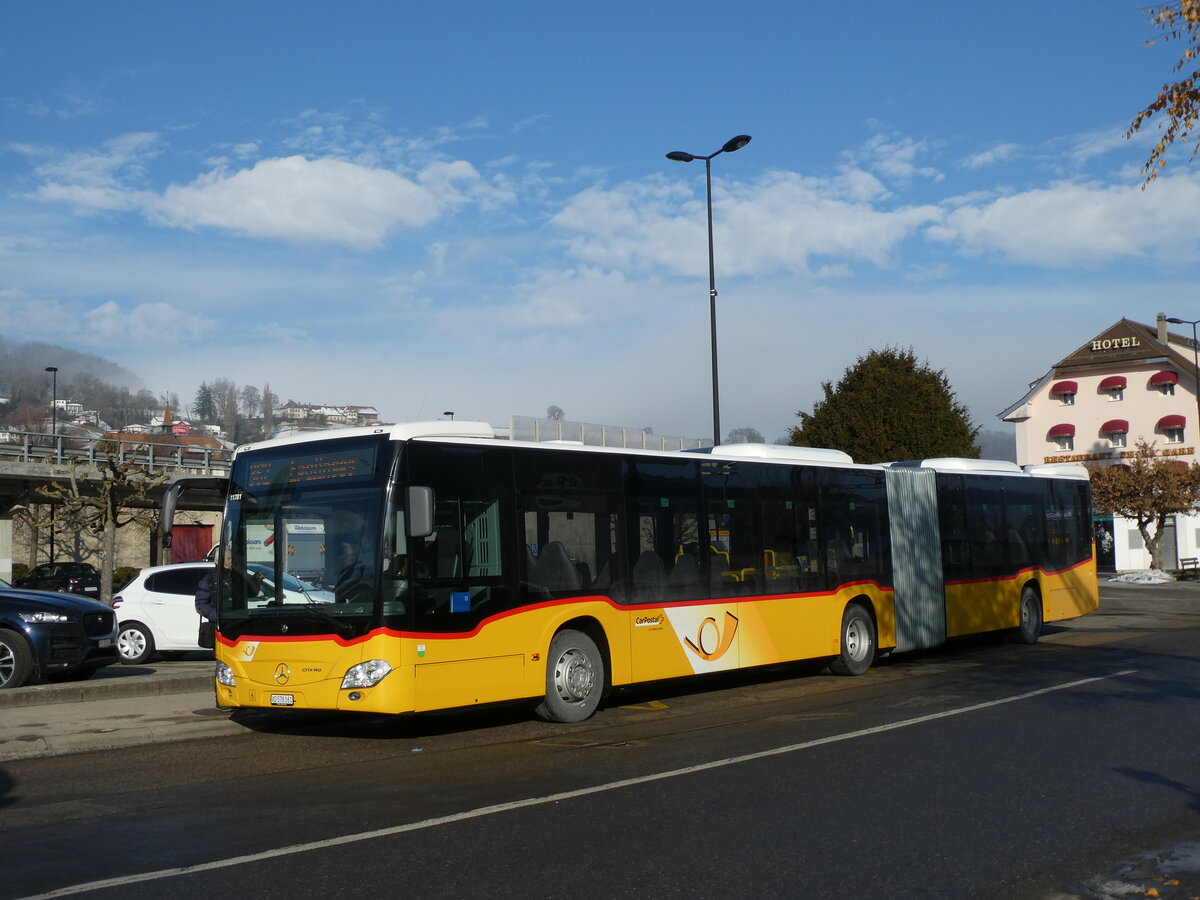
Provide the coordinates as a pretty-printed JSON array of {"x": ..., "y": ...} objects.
[
  {"x": 1124, "y": 454},
  {"x": 1124, "y": 343}
]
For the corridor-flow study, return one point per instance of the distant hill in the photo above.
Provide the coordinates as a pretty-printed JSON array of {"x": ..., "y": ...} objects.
[
  {"x": 114, "y": 392},
  {"x": 20, "y": 360}
]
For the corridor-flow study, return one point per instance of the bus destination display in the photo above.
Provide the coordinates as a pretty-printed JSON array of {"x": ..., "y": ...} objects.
[{"x": 357, "y": 464}]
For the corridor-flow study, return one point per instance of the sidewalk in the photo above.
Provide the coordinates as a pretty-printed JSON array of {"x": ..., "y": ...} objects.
[{"x": 121, "y": 706}]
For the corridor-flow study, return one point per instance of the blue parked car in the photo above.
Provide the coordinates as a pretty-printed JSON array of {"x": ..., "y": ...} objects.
[{"x": 59, "y": 637}]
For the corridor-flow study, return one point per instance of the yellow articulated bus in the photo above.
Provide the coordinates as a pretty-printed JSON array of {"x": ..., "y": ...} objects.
[{"x": 450, "y": 568}]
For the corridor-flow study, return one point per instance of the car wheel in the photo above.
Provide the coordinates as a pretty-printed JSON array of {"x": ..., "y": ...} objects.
[
  {"x": 135, "y": 643},
  {"x": 16, "y": 660}
]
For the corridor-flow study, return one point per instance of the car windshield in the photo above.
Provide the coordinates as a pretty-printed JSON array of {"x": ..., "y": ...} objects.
[{"x": 300, "y": 543}]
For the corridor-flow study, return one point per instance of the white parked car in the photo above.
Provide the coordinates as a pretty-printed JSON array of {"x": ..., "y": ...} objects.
[{"x": 156, "y": 611}]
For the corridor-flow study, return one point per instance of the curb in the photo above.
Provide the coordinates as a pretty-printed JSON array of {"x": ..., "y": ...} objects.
[
  {"x": 113, "y": 688},
  {"x": 187, "y": 718}
]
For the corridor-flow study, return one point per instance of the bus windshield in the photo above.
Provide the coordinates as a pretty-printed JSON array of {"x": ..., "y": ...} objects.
[{"x": 300, "y": 545}]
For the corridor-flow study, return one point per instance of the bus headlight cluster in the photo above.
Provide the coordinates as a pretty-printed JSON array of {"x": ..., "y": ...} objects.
[
  {"x": 366, "y": 674},
  {"x": 225, "y": 675}
]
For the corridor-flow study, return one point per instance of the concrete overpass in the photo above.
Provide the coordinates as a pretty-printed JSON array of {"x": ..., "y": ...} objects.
[{"x": 31, "y": 460}]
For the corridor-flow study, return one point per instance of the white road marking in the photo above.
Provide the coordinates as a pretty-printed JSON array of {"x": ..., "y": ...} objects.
[{"x": 556, "y": 798}]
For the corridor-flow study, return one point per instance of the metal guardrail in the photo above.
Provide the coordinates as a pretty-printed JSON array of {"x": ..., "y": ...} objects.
[
  {"x": 41, "y": 447},
  {"x": 527, "y": 428}
]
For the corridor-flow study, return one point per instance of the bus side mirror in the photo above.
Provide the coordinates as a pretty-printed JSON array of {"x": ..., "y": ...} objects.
[{"x": 418, "y": 502}]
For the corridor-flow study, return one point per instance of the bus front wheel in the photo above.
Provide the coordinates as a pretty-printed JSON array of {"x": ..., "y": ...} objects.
[
  {"x": 1030, "y": 627},
  {"x": 858, "y": 642},
  {"x": 574, "y": 678}
]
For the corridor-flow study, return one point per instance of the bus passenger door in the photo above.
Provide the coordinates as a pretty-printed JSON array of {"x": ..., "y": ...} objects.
[{"x": 465, "y": 649}]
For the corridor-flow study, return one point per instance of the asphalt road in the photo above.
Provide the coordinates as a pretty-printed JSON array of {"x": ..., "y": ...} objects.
[{"x": 982, "y": 769}]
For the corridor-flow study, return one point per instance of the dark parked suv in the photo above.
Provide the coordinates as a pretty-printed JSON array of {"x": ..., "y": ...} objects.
[
  {"x": 56, "y": 636},
  {"x": 69, "y": 577}
]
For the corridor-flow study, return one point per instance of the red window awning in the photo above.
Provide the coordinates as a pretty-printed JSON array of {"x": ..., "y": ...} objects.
[
  {"x": 1063, "y": 430},
  {"x": 1113, "y": 382},
  {"x": 1165, "y": 377},
  {"x": 1115, "y": 426},
  {"x": 1065, "y": 387},
  {"x": 1172, "y": 422}
]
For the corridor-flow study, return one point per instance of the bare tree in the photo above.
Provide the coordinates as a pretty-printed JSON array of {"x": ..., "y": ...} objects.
[
  {"x": 225, "y": 397},
  {"x": 268, "y": 409},
  {"x": 251, "y": 400},
  {"x": 114, "y": 494},
  {"x": 745, "y": 436}
]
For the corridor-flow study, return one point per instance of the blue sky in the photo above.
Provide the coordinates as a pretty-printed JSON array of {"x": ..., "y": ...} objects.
[{"x": 467, "y": 205}]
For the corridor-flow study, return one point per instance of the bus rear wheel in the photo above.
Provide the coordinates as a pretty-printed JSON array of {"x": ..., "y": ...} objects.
[
  {"x": 857, "y": 651},
  {"x": 574, "y": 678},
  {"x": 1030, "y": 627}
]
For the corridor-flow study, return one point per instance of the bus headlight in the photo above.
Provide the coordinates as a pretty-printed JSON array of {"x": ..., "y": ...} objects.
[
  {"x": 225, "y": 675},
  {"x": 366, "y": 674}
]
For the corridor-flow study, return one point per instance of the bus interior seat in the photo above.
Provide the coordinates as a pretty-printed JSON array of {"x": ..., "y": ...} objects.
[
  {"x": 446, "y": 551},
  {"x": 554, "y": 569},
  {"x": 686, "y": 573},
  {"x": 648, "y": 575}
]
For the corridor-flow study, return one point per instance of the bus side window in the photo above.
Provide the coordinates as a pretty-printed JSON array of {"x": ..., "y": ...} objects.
[
  {"x": 734, "y": 554},
  {"x": 856, "y": 540}
]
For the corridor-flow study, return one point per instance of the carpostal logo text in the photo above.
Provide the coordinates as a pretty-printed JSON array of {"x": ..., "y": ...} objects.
[{"x": 650, "y": 621}]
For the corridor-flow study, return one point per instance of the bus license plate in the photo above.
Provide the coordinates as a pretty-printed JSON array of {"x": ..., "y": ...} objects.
[{"x": 283, "y": 700}]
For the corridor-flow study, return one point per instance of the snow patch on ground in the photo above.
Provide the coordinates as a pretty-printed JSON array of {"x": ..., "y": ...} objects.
[{"x": 1146, "y": 576}]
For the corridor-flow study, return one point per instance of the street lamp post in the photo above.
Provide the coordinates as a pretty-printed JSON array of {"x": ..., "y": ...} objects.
[
  {"x": 734, "y": 143},
  {"x": 53, "y": 370},
  {"x": 1196, "y": 363}
]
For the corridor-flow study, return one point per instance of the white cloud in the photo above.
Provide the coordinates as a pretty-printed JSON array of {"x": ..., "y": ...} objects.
[
  {"x": 991, "y": 156},
  {"x": 91, "y": 180},
  {"x": 296, "y": 199},
  {"x": 1071, "y": 224},
  {"x": 895, "y": 156},
  {"x": 777, "y": 223},
  {"x": 118, "y": 161},
  {"x": 153, "y": 323},
  {"x": 328, "y": 199},
  {"x": 27, "y": 317},
  {"x": 143, "y": 326}
]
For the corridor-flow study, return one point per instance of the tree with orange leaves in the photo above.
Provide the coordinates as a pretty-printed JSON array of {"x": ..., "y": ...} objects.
[
  {"x": 1148, "y": 490},
  {"x": 1179, "y": 101}
]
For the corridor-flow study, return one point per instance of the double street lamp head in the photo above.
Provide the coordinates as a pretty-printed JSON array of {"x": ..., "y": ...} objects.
[{"x": 734, "y": 143}]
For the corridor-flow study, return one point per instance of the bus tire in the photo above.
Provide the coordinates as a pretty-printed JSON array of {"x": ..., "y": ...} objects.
[
  {"x": 574, "y": 678},
  {"x": 1029, "y": 617},
  {"x": 857, "y": 651}
]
